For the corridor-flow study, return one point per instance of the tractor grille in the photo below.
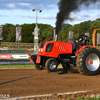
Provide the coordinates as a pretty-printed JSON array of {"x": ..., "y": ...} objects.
[
  {"x": 49, "y": 47},
  {"x": 61, "y": 47}
]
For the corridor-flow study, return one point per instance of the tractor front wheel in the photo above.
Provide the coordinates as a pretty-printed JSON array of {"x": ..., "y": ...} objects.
[
  {"x": 88, "y": 61},
  {"x": 51, "y": 65}
]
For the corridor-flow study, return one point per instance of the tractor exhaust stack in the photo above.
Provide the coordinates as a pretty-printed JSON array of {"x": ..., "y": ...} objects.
[{"x": 55, "y": 36}]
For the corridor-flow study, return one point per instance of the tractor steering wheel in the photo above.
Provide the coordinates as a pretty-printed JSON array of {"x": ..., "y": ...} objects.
[{"x": 83, "y": 39}]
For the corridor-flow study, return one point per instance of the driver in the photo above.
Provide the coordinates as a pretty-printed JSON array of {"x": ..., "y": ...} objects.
[
  {"x": 83, "y": 41},
  {"x": 80, "y": 41}
]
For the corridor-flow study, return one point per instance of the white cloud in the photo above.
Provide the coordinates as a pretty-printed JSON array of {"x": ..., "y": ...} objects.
[
  {"x": 24, "y": 4},
  {"x": 48, "y": 17},
  {"x": 73, "y": 16},
  {"x": 25, "y": 16},
  {"x": 76, "y": 22},
  {"x": 22, "y": 11},
  {"x": 53, "y": 26},
  {"x": 28, "y": 4},
  {"x": 11, "y": 6},
  {"x": 4, "y": 15}
]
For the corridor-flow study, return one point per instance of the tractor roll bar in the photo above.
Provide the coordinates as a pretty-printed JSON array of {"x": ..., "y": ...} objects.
[{"x": 93, "y": 36}]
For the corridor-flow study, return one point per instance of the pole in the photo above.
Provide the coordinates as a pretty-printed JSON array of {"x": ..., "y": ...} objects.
[
  {"x": 36, "y": 18},
  {"x": 36, "y": 33},
  {"x": 18, "y": 45}
]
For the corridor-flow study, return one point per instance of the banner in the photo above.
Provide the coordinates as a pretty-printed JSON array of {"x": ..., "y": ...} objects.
[
  {"x": 1, "y": 31},
  {"x": 87, "y": 34},
  {"x": 5, "y": 56},
  {"x": 19, "y": 56},
  {"x": 71, "y": 36},
  {"x": 98, "y": 38},
  {"x": 18, "y": 33}
]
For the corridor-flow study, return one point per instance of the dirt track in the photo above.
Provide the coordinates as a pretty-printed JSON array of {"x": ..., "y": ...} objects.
[{"x": 29, "y": 81}]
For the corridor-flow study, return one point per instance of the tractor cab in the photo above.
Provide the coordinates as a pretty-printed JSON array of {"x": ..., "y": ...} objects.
[{"x": 82, "y": 40}]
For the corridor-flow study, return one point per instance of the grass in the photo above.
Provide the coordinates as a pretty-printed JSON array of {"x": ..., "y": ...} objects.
[
  {"x": 16, "y": 66},
  {"x": 19, "y": 66},
  {"x": 19, "y": 59}
]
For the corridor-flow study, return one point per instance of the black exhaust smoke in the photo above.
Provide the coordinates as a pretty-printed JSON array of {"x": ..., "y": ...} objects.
[{"x": 68, "y": 6}]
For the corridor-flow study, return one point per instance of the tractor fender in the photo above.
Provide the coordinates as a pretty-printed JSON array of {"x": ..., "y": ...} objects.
[{"x": 83, "y": 47}]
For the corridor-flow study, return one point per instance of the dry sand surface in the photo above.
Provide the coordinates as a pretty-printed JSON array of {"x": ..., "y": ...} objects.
[{"x": 29, "y": 81}]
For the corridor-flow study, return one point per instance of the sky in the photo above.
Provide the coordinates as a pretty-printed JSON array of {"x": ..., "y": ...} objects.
[{"x": 20, "y": 12}]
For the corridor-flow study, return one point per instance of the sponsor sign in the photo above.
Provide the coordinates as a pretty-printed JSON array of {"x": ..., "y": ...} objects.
[
  {"x": 18, "y": 33},
  {"x": 20, "y": 56},
  {"x": 1, "y": 31},
  {"x": 98, "y": 38},
  {"x": 71, "y": 36},
  {"x": 5, "y": 56},
  {"x": 87, "y": 34}
]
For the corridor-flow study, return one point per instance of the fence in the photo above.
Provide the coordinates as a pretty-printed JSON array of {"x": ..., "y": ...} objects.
[{"x": 16, "y": 48}]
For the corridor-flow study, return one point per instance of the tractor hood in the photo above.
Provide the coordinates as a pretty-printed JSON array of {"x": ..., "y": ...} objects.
[{"x": 54, "y": 48}]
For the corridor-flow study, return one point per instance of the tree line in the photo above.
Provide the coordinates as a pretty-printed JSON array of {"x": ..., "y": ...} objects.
[
  {"x": 47, "y": 31},
  {"x": 78, "y": 29},
  {"x": 9, "y": 32}
]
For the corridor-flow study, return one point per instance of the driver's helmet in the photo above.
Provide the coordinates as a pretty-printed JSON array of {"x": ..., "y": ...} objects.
[{"x": 80, "y": 39}]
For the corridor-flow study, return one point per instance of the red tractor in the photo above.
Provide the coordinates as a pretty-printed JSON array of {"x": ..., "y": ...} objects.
[{"x": 74, "y": 57}]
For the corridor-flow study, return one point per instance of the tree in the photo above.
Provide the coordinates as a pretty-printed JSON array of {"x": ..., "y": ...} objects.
[
  {"x": 64, "y": 33},
  {"x": 47, "y": 31},
  {"x": 11, "y": 37},
  {"x": 27, "y": 30},
  {"x": 9, "y": 33}
]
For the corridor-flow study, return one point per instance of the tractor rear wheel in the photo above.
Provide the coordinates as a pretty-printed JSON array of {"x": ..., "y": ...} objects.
[
  {"x": 38, "y": 67},
  {"x": 88, "y": 61},
  {"x": 51, "y": 65}
]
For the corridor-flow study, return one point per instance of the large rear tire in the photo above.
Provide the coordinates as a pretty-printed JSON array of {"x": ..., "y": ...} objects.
[
  {"x": 51, "y": 65},
  {"x": 88, "y": 61},
  {"x": 38, "y": 67}
]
